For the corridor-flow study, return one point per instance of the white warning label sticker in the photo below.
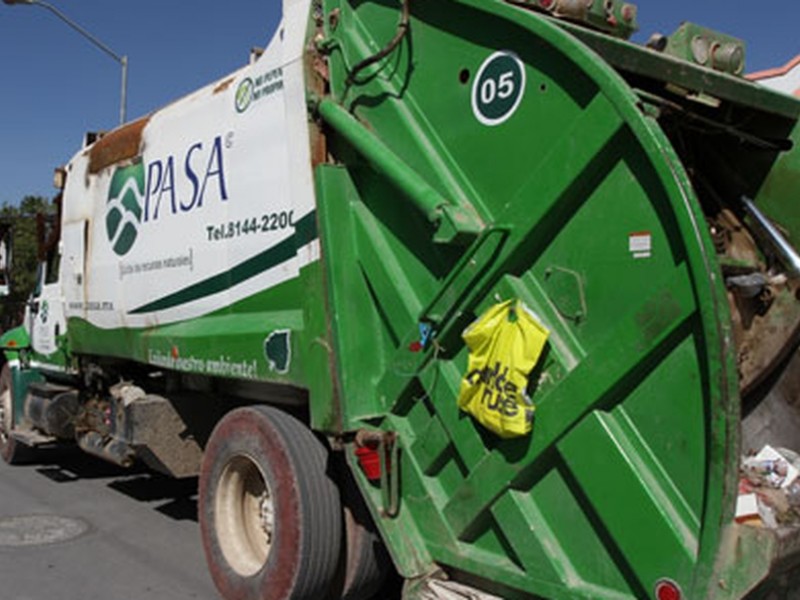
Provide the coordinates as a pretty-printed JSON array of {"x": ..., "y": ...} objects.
[{"x": 640, "y": 244}]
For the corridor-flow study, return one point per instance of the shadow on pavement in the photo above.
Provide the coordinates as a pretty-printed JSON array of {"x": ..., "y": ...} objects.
[
  {"x": 174, "y": 498},
  {"x": 180, "y": 495},
  {"x": 68, "y": 464}
]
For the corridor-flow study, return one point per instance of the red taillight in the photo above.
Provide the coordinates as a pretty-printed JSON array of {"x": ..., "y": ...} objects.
[
  {"x": 667, "y": 589},
  {"x": 370, "y": 461}
]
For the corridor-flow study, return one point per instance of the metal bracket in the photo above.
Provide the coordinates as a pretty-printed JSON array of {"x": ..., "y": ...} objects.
[{"x": 388, "y": 449}]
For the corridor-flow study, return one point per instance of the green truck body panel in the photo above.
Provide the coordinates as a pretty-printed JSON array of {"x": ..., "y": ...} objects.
[
  {"x": 630, "y": 475},
  {"x": 11, "y": 340}
]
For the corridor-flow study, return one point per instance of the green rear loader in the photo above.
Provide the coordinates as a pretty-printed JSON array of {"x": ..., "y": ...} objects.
[{"x": 268, "y": 282}]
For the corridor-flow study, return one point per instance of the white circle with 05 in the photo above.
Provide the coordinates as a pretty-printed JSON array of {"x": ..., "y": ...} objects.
[{"x": 498, "y": 88}]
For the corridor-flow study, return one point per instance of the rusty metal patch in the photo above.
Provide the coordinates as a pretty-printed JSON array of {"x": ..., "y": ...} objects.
[
  {"x": 223, "y": 85},
  {"x": 119, "y": 145}
]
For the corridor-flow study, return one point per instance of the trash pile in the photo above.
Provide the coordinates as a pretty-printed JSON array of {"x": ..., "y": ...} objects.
[{"x": 769, "y": 489}]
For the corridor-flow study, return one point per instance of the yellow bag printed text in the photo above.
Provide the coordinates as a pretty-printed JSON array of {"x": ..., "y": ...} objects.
[{"x": 504, "y": 345}]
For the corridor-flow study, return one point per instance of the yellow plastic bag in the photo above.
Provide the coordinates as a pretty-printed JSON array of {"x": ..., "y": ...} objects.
[{"x": 504, "y": 345}]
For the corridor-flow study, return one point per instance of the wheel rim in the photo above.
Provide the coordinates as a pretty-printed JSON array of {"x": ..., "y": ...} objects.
[{"x": 245, "y": 515}]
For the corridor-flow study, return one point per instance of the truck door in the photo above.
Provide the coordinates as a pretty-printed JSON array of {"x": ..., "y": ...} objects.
[
  {"x": 73, "y": 268},
  {"x": 45, "y": 314}
]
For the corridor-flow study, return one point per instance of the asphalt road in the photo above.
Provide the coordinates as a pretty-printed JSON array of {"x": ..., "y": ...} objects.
[{"x": 75, "y": 528}]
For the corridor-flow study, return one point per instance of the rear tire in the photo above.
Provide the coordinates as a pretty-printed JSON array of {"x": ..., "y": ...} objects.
[
  {"x": 270, "y": 515},
  {"x": 367, "y": 562},
  {"x": 12, "y": 451}
]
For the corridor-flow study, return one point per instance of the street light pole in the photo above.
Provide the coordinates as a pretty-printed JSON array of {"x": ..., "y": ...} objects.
[{"x": 122, "y": 60}]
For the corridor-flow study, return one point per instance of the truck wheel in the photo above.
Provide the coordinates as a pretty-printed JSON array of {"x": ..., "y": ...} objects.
[
  {"x": 366, "y": 561},
  {"x": 10, "y": 449},
  {"x": 270, "y": 516}
]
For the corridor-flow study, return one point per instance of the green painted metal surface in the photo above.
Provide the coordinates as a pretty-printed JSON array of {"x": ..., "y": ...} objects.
[
  {"x": 16, "y": 349},
  {"x": 589, "y": 211},
  {"x": 13, "y": 340},
  {"x": 690, "y": 76},
  {"x": 708, "y": 48},
  {"x": 221, "y": 344}
]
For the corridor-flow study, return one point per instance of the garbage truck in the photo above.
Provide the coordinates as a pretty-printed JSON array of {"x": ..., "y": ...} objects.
[{"x": 268, "y": 283}]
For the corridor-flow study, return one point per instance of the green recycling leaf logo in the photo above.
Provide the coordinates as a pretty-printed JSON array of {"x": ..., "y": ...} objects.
[
  {"x": 124, "y": 207},
  {"x": 278, "y": 350},
  {"x": 244, "y": 94}
]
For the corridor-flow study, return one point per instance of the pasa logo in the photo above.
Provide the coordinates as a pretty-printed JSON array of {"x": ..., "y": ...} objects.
[
  {"x": 140, "y": 194},
  {"x": 124, "y": 207}
]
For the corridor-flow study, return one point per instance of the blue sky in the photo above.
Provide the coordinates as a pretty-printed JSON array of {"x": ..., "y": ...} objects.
[{"x": 56, "y": 85}]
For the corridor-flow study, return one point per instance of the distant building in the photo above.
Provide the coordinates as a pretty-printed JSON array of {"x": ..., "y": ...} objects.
[{"x": 785, "y": 79}]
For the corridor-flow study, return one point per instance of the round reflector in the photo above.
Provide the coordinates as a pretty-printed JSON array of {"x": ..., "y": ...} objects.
[{"x": 666, "y": 589}]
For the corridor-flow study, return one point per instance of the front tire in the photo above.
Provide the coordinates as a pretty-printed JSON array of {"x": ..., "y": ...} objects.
[
  {"x": 270, "y": 516},
  {"x": 10, "y": 449}
]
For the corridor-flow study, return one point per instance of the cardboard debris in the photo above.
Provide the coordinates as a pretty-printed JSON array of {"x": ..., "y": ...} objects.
[
  {"x": 771, "y": 467},
  {"x": 746, "y": 507},
  {"x": 769, "y": 489}
]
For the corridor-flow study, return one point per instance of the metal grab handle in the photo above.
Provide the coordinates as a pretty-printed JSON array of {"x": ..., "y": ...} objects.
[{"x": 784, "y": 251}]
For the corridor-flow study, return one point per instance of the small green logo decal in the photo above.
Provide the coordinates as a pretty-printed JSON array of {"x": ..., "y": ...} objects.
[
  {"x": 498, "y": 88},
  {"x": 124, "y": 208},
  {"x": 244, "y": 94},
  {"x": 278, "y": 350}
]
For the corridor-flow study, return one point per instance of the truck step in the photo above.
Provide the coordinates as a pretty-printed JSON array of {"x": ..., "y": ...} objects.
[
  {"x": 46, "y": 389},
  {"x": 32, "y": 438}
]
